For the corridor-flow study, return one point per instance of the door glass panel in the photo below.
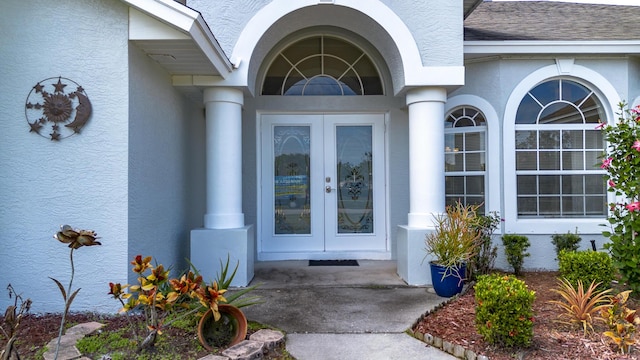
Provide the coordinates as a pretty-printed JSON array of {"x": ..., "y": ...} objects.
[
  {"x": 291, "y": 181},
  {"x": 354, "y": 180}
]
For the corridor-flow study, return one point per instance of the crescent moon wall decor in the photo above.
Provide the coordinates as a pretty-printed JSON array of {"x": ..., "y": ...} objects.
[{"x": 52, "y": 112}]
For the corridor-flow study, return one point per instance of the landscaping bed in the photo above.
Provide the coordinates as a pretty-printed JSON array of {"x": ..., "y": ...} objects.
[
  {"x": 455, "y": 322},
  {"x": 176, "y": 342}
]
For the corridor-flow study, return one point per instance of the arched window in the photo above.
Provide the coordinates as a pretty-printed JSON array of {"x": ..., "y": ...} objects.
[
  {"x": 322, "y": 65},
  {"x": 465, "y": 156},
  {"x": 557, "y": 150}
]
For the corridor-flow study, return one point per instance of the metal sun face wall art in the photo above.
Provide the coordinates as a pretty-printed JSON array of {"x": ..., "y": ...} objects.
[{"x": 58, "y": 114}]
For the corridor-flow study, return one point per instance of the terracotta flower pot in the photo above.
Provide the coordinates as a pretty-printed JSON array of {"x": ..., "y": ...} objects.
[{"x": 229, "y": 330}]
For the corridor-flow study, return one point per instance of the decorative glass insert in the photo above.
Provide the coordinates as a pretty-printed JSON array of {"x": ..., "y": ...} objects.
[
  {"x": 292, "y": 205},
  {"x": 322, "y": 65},
  {"x": 465, "y": 156},
  {"x": 354, "y": 152},
  {"x": 557, "y": 151}
]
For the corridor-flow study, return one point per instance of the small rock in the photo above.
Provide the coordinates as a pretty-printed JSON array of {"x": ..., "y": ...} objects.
[
  {"x": 214, "y": 357},
  {"x": 458, "y": 351},
  {"x": 67, "y": 348},
  {"x": 428, "y": 338},
  {"x": 437, "y": 342},
  {"x": 270, "y": 338},
  {"x": 470, "y": 355},
  {"x": 84, "y": 329},
  {"x": 246, "y": 350}
]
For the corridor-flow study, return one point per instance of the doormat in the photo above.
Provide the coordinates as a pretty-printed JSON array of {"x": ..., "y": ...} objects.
[{"x": 333, "y": 263}]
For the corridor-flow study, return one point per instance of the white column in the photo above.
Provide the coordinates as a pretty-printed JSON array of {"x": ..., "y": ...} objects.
[
  {"x": 426, "y": 155},
  {"x": 224, "y": 158}
]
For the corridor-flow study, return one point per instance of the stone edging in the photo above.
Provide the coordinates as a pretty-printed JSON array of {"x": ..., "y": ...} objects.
[
  {"x": 453, "y": 349},
  {"x": 261, "y": 340}
]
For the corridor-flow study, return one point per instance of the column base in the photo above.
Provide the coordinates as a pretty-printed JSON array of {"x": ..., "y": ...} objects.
[
  {"x": 211, "y": 246},
  {"x": 413, "y": 266},
  {"x": 224, "y": 221}
]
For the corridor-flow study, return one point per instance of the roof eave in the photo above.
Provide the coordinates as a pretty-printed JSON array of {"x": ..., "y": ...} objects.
[
  {"x": 551, "y": 47},
  {"x": 189, "y": 22},
  {"x": 469, "y": 6}
]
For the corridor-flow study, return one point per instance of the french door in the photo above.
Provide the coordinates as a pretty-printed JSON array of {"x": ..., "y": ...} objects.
[{"x": 323, "y": 191}]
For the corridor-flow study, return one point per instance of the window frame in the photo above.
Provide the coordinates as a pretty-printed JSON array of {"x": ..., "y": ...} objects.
[
  {"x": 560, "y": 171},
  {"x": 465, "y": 130},
  {"x": 609, "y": 98},
  {"x": 492, "y": 178},
  {"x": 353, "y": 67}
]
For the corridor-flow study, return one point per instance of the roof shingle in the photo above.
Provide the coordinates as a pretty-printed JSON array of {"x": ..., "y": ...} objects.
[{"x": 548, "y": 21}]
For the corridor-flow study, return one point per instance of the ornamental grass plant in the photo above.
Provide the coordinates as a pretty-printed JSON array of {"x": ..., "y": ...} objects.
[{"x": 456, "y": 238}]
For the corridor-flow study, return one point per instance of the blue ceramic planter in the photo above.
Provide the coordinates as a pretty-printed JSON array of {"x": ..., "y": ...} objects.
[{"x": 451, "y": 284}]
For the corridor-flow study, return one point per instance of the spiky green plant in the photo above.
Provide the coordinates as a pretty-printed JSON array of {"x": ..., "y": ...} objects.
[{"x": 581, "y": 306}]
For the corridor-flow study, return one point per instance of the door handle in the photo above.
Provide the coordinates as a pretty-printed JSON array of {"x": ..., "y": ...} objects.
[{"x": 328, "y": 189}]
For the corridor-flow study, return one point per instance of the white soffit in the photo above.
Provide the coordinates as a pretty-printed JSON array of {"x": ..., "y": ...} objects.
[{"x": 176, "y": 37}]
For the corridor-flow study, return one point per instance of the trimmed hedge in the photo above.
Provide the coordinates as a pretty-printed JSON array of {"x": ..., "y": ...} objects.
[
  {"x": 586, "y": 266},
  {"x": 504, "y": 310}
]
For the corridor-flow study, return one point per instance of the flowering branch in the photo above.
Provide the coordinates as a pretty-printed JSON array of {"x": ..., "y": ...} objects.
[{"x": 622, "y": 163}]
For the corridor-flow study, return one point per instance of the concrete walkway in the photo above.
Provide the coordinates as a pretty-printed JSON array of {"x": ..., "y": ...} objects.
[{"x": 343, "y": 312}]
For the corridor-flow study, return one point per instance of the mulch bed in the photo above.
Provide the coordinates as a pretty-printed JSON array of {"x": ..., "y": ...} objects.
[{"x": 455, "y": 322}]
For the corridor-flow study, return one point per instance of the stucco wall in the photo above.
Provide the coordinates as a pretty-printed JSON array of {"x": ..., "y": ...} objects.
[
  {"x": 227, "y": 18},
  {"x": 80, "y": 180},
  {"x": 542, "y": 253},
  {"x": 634, "y": 85},
  {"x": 164, "y": 167},
  {"x": 436, "y": 25},
  {"x": 398, "y": 173}
]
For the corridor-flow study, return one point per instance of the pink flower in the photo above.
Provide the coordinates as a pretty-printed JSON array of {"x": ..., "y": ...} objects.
[
  {"x": 635, "y": 113},
  {"x": 612, "y": 184},
  {"x": 600, "y": 125},
  {"x": 634, "y": 206},
  {"x": 606, "y": 163},
  {"x": 636, "y": 145}
]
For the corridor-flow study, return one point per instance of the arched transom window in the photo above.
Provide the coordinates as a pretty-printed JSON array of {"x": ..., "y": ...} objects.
[
  {"x": 557, "y": 152},
  {"x": 322, "y": 65},
  {"x": 465, "y": 156}
]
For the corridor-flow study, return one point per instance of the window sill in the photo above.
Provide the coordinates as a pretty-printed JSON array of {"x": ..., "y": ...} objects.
[{"x": 556, "y": 225}]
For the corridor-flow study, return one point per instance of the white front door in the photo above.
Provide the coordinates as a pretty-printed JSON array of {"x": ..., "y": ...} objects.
[{"x": 323, "y": 192}]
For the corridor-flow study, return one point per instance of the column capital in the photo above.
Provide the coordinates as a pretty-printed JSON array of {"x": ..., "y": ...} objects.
[
  {"x": 426, "y": 94},
  {"x": 223, "y": 94}
]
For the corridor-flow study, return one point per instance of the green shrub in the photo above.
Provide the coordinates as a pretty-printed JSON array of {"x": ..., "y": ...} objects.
[
  {"x": 515, "y": 247},
  {"x": 504, "y": 313},
  {"x": 568, "y": 242},
  {"x": 586, "y": 266}
]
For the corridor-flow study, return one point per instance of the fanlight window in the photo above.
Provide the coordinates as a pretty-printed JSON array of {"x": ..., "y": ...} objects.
[{"x": 322, "y": 65}]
